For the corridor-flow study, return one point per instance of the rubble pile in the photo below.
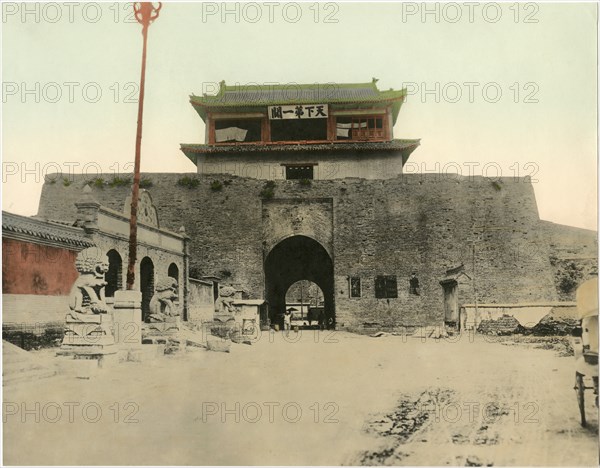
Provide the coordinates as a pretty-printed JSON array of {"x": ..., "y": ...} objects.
[
  {"x": 505, "y": 325},
  {"x": 555, "y": 324}
]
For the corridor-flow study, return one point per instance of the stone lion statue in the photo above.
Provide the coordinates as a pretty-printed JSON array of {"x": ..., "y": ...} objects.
[
  {"x": 224, "y": 304},
  {"x": 87, "y": 293},
  {"x": 162, "y": 304}
]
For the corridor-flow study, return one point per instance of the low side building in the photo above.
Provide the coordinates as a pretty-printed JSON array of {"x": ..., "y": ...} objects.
[
  {"x": 38, "y": 270},
  {"x": 39, "y": 261},
  {"x": 160, "y": 252}
]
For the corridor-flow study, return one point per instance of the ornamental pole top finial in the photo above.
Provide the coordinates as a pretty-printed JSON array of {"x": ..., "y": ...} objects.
[{"x": 146, "y": 12}]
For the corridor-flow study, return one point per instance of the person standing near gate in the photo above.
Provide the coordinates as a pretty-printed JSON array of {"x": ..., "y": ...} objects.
[
  {"x": 321, "y": 319},
  {"x": 414, "y": 284},
  {"x": 287, "y": 321}
]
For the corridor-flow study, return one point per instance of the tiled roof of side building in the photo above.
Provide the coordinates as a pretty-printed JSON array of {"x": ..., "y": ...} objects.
[{"x": 43, "y": 231}]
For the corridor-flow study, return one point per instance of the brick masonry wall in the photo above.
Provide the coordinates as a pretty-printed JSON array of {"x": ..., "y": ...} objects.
[
  {"x": 202, "y": 304},
  {"x": 161, "y": 259},
  {"x": 329, "y": 165},
  {"x": 29, "y": 268},
  {"x": 423, "y": 223},
  {"x": 573, "y": 256}
]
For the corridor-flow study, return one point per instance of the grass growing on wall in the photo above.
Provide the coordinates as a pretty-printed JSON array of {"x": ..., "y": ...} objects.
[
  {"x": 189, "y": 182},
  {"x": 98, "y": 182},
  {"x": 268, "y": 190},
  {"x": 119, "y": 181},
  {"x": 146, "y": 183},
  {"x": 216, "y": 186}
]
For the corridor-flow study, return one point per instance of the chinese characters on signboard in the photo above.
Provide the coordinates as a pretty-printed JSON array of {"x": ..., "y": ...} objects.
[{"x": 300, "y": 111}]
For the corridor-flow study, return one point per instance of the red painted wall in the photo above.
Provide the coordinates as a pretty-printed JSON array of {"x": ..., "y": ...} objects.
[{"x": 29, "y": 268}]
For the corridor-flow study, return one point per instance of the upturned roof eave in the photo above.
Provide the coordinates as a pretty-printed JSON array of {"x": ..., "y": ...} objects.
[
  {"x": 203, "y": 104},
  {"x": 217, "y": 101}
]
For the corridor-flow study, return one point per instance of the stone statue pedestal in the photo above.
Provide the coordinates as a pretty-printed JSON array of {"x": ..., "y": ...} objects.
[
  {"x": 168, "y": 329},
  {"x": 128, "y": 318},
  {"x": 88, "y": 334},
  {"x": 88, "y": 344},
  {"x": 167, "y": 332}
]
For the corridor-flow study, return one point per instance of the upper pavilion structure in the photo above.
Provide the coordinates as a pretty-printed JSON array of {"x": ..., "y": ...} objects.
[{"x": 296, "y": 127}]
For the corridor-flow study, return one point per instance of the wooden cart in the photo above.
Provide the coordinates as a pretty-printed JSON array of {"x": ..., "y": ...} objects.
[{"x": 585, "y": 345}]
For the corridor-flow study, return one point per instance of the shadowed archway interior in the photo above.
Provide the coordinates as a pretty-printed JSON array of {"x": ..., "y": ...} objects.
[
  {"x": 293, "y": 259},
  {"x": 146, "y": 285},
  {"x": 114, "y": 274}
]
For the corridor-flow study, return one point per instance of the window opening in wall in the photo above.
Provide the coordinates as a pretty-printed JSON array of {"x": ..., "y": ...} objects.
[
  {"x": 299, "y": 130},
  {"x": 299, "y": 171},
  {"x": 237, "y": 130},
  {"x": 360, "y": 128},
  {"x": 386, "y": 287},
  {"x": 355, "y": 286}
]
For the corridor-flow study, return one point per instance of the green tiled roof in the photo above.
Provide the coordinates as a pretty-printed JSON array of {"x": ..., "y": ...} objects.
[{"x": 249, "y": 97}]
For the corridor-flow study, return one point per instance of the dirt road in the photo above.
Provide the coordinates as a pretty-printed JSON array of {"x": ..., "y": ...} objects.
[{"x": 323, "y": 398}]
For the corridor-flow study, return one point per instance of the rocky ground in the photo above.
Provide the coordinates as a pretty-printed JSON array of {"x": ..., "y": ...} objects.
[
  {"x": 562, "y": 345},
  {"x": 317, "y": 398}
]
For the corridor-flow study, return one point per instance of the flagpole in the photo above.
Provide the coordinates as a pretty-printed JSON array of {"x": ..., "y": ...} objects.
[{"x": 145, "y": 14}]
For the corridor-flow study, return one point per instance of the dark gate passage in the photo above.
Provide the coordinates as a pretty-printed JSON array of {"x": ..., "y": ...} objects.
[
  {"x": 146, "y": 285},
  {"x": 114, "y": 274},
  {"x": 293, "y": 259}
]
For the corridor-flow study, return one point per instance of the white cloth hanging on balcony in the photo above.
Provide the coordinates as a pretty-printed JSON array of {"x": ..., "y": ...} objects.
[
  {"x": 342, "y": 132},
  {"x": 230, "y": 134}
]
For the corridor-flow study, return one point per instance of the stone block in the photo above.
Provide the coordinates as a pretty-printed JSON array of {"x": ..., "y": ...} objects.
[
  {"x": 122, "y": 354},
  {"x": 78, "y": 368},
  {"x": 145, "y": 353},
  {"x": 128, "y": 318},
  {"x": 218, "y": 344},
  {"x": 107, "y": 361}
]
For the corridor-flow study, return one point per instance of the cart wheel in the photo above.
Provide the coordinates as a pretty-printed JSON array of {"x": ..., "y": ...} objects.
[{"x": 579, "y": 391}]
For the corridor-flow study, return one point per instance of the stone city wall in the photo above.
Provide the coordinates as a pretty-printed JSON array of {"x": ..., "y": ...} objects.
[{"x": 421, "y": 223}]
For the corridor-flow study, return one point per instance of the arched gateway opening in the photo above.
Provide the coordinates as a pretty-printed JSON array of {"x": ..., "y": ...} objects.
[
  {"x": 146, "y": 285},
  {"x": 293, "y": 259},
  {"x": 304, "y": 300}
]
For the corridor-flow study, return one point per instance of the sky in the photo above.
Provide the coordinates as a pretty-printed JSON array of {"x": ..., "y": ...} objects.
[{"x": 494, "y": 89}]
